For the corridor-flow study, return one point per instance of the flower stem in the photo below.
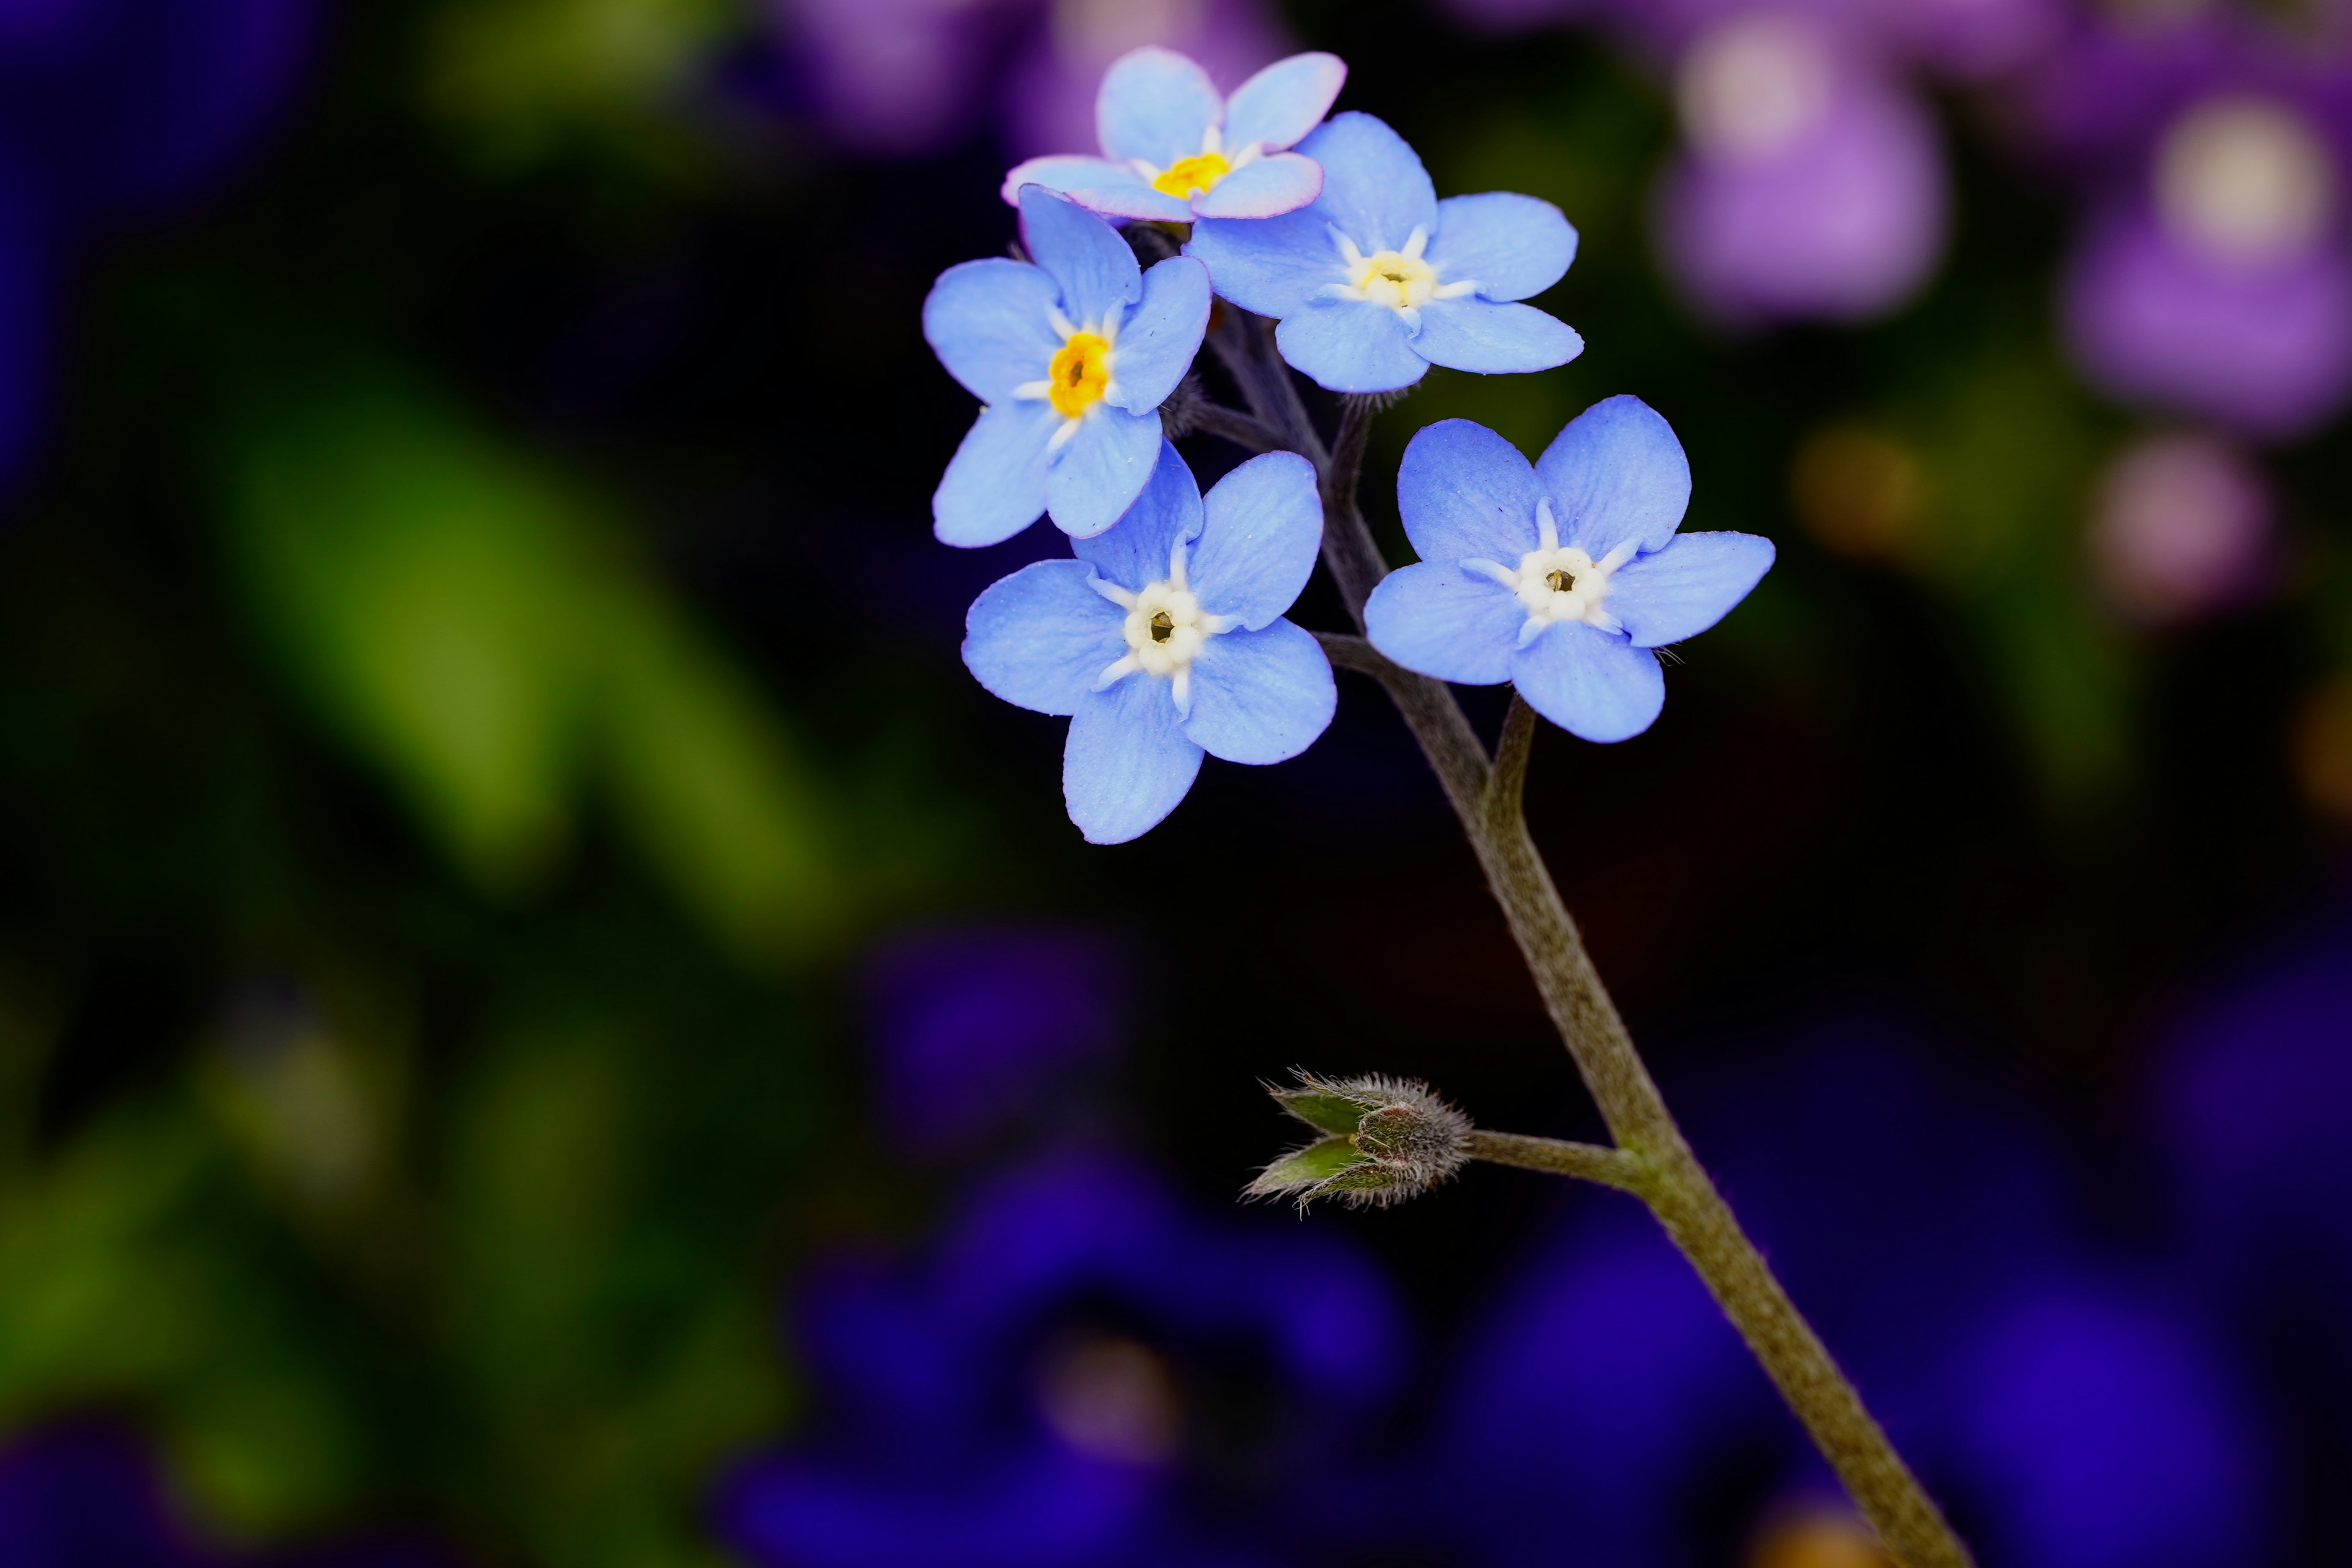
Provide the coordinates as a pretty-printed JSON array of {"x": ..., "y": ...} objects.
[{"x": 1660, "y": 1167}]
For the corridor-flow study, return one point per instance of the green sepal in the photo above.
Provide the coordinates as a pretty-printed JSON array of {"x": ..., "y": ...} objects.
[
  {"x": 1320, "y": 1109},
  {"x": 1305, "y": 1167}
]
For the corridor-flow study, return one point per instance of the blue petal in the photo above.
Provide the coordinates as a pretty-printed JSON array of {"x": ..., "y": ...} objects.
[
  {"x": 1687, "y": 587},
  {"x": 1260, "y": 697},
  {"x": 1100, "y": 185},
  {"x": 1096, "y": 271},
  {"x": 1590, "y": 682},
  {"x": 1266, "y": 188},
  {"x": 1284, "y": 101},
  {"x": 1136, "y": 553},
  {"x": 1041, "y": 637},
  {"x": 1446, "y": 623},
  {"x": 1127, "y": 762},
  {"x": 1262, "y": 526},
  {"x": 1374, "y": 189},
  {"x": 1352, "y": 345},
  {"x": 1617, "y": 473},
  {"x": 1155, "y": 105},
  {"x": 1514, "y": 245},
  {"x": 1465, "y": 493},
  {"x": 1156, "y": 345},
  {"x": 1271, "y": 267},
  {"x": 995, "y": 484},
  {"x": 989, "y": 324},
  {"x": 1492, "y": 338},
  {"x": 1100, "y": 470}
]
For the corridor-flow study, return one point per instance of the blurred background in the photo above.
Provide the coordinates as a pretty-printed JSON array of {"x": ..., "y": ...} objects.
[{"x": 545, "y": 1020}]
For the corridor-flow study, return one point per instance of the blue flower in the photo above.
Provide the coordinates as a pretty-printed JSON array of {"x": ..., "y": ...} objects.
[
  {"x": 1072, "y": 357},
  {"x": 1379, "y": 280},
  {"x": 1165, "y": 640},
  {"x": 1174, "y": 150},
  {"x": 1559, "y": 578}
]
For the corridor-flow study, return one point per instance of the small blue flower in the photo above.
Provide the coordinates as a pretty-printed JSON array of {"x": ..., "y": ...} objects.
[
  {"x": 1174, "y": 150},
  {"x": 1165, "y": 639},
  {"x": 1379, "y": 280},
  {"x": 1562, "y": 577},
  {"x": 1072, "y": 357}
]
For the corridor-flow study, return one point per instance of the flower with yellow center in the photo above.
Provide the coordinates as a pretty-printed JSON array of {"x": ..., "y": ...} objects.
[
  {"x": 1401, "y": 279},
  {"x": 1193, "y": 177},
  {"x": 1080, "y": 375}
]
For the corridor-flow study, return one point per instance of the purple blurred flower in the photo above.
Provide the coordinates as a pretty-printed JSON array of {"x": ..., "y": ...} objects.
[
  {"x": 2180, "y": 528},
  {"x": 1078, "y": 1371}
]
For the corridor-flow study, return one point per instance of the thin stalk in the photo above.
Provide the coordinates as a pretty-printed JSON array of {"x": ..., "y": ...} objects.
[{"x": 1587, "y": 1161}]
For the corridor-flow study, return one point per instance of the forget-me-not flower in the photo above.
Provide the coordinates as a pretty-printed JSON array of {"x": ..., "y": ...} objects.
[
  {"x": 1379, "y": 280},
  {"x": 1073, "y": 356},
  {"x": 1559, "y": 577},
  {"x": 1165, "y": 639},
  {"x": 1174, "y": 150}
]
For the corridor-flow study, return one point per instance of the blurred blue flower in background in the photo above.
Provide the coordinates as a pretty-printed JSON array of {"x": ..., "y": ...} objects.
[{"x": 1078, "y": 1370}]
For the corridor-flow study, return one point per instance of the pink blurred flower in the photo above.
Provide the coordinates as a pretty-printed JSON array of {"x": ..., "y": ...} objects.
[{"x": 2180, "y": 527}]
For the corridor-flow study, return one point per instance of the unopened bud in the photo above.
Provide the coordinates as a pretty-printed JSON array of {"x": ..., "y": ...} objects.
[{"x": 1385, "y": 1140}]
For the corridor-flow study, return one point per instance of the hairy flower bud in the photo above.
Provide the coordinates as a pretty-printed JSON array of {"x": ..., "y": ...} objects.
[{"x": 1385, "y": 1140}]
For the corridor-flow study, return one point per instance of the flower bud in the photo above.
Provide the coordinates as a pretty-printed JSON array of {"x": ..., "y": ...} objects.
[{"x": 1385, "y": 1140}]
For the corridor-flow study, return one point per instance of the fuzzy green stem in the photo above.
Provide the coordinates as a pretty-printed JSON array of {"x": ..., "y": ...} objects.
[{"x": 1586, "y": 1161}]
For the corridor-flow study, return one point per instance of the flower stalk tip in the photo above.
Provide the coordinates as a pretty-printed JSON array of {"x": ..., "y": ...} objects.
[{"x": 1385, "y": 1140}]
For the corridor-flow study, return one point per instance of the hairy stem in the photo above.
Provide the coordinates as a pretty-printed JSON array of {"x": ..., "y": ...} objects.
[
  {"x": 1588, "y": 1161},
  {"x": 1667, "y": 1176}
]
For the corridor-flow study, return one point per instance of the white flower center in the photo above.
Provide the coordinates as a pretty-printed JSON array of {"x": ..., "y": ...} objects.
[
  {"x": 1751, "y": 88},
  {"x": 1555, "y": 582},
  {"x": 1165, "y": 629},
  {"x": 2245, "y": 180},
  {"x": 1399, "y": 280}
]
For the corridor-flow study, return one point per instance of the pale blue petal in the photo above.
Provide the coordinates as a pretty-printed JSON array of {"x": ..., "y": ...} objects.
[
  {"x": 1041, "y": 637},
  {"x": 1284, "y": 101},
  {"x": 1591, "y": 683},
  {"x": 989, "y": 324},
  {"x": 1374, "y": 189},
  {"x": 1465, "y": 493},
  {"x": 1687, "y": 587},
  {"x": 1099, "y": 472},
  {"x": 1493, "y": 340},
  {"x": 995, "y": 484},
  {"x": 1100, "y": 185},
  {"x": 1446, "y": 623},
  {"x": 1096, "y": 271},
  {"x": 1261, "y": 527},
  {"x": 1136, "y": 553},
  {"x": 1271, "y": 267},
  {"x": 1514, "y": 245},
  {"x": 1260, "y": 697},
  {"x": 1127, "y": 762},
  {"x": 1617, "y": 473},
  {"x": 1266, "y": 188},
  {"x": 1352, "y": 345},
  {"x": 1162, "y": 333},
  {"x": 1155, "y": 105}
]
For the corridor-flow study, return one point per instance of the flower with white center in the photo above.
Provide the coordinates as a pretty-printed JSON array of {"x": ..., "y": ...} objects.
[
  {"x": 1379, "y": 280},
  {"x": 1175, "y": 149},
  {"x": 2245, "y": 180},
  {"x": 1560, "y": 576},
  {"x": 1072, "y": 353},
  {"x": 1163, "y": 640},
  {"x": 1754, "y": 86}
]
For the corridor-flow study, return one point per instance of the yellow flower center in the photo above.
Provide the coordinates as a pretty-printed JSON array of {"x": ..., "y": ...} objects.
[
  {"x": 1079, "y": 373},
  {"x": 1393, "y": 278},
  {"x": 1200, "y": 172}
]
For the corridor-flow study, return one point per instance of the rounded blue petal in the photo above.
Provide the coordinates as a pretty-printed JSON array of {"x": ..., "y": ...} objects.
[
  {"x": 989, "y": 322},
  {"x": 1513, "y": 246},
  {"x": 1271, "y": 267},
  {"x": 1283, "y": 102},
  {"x": 1493, "y": 340},
  {"x": 1128, "y": 760},
  {"x": 1155, "y": 105},
  {"x": 1156, "y": 345},
  {"x": 995, "y": 484},
  {"x": 1352, "y": 345},
  {"x": 1617, "y": 473},
  {"x": 1682, "y": 590},
  {"x": 1374, "y": 189},
  {"x": 1137, "y": 553},
  {"x": 1464, "y": 493},
  {"x": 1260, "y": 697},
  {"x": 1266, "y": 188},
  {"x": 1100, "y": 469},
  {"x": 1100, "y": 185},
  {"x": 1041, "y": 637},
  {"x": 1439, "y": 621},
  {"x": 1262, "y": 528},
  {"x": 1097, "y": 272},
  {"x": 1591, "y": 683}
]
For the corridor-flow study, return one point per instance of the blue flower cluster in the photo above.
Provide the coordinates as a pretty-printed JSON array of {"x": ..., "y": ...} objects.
[{"x": 1163, "y": 638}]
